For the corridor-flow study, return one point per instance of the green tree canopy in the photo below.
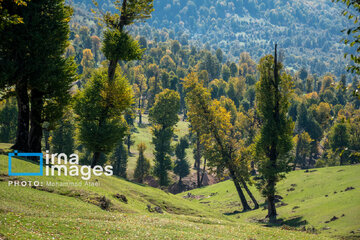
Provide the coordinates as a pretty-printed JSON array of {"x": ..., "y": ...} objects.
[
  {"x": 213, "y": 123},
  {"x": 182, "y": 166},
  {"x": 32, "y": 60},
  {"x": 142, "y": 165},
  {"x": 164, "y": 116},
  {"x": 100, "y": 108},
  {"x": 275, "y": 139}
]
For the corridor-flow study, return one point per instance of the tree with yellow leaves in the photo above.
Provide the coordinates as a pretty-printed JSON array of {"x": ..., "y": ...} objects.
[
  {"x": 87, "y": 60},
  {"x": 214, "y": 124}
]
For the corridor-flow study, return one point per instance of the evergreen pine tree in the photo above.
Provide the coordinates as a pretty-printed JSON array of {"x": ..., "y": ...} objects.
[
  {"x": 142, "y": 165},
  {"x": 182, "y": 166},
  {"x": 8, "y": 116},
  {"x": 120, "y": 159},
  {"x": 275, "y": 140},
  {"x": 63, "y": 137},
  {"x": 164, "y": 116}
]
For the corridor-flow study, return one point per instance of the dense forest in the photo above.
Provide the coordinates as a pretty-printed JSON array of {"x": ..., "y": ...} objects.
[
  {"x": 262, "y": 85},
  {"x": 309, "y": 32}
]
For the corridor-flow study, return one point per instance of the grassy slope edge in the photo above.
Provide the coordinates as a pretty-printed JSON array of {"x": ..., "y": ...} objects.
[
  {"x": 310, "y": 199},
  {"x": 73, "y": 213}
]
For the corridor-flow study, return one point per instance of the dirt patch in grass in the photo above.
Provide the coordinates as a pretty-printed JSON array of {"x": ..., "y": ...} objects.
[
  {"x": 2, "y": 237},
  {"x": 121, "y": 198}
]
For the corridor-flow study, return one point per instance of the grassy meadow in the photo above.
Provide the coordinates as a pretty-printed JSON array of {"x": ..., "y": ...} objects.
[
  {"x": 76, "y": 212},
  {"x": 310, "y": 199}
]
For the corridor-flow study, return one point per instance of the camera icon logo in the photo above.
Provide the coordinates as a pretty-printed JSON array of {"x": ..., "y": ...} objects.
[{"x": 15, "y": 153}]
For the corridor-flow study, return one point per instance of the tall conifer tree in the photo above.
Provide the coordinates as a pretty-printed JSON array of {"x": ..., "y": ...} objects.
[{"x": 275, "y": 140}]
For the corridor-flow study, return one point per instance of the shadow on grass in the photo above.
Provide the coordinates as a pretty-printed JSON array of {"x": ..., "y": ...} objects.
[
  {"x": 28, "y": 159},
  {"x": 143, "y": 125},
  {"x": 232, "y": 213},
  {"x": 294, "y": 222},
  {"x": 134, "y": 130},
  {"x": 297, "y": 221},
  {"x": 261, "y": 207}
]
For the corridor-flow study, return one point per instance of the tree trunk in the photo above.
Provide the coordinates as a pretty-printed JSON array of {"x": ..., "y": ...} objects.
[
  {"x": 185, "y": 114},
  {"x": 246, "y": 206},
  {"x": 295, "y": 163},
  {"x": 111, "y": 70},
  {"x": 97, "y": 154},
  {"x": 22, "y": 134},
  {"x": 203, "y": 171},
  {"x": 198, "y": 175},
  {"x": 180, "y": 184},
  {"x": 271, "y": 181},
  {"x": 129, "y": 143},
  {"x": 270, "y": 186},
  {"x": 342, "y": 159},
  {"x": 140, "y": 115},
  {"x": 36, "y": 130},
  {"x": 46, "y": 138},
  {"x": 296, "y": 157},
  {"x": 96, "y": 159},
  {"x": 271, "y": 208},
  {"x": 197, "y": 160},
  {"x": 253, "y": 171},
  {"x": 256, "y": 205}
]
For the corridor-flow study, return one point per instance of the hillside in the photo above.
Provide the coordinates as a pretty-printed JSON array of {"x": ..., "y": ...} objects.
[
  {"x": 70, "y": 212},
  {"x": 161, "y": 119},
  {"x": 309, "y": 32},
  {"x": 310, "y": 199}
]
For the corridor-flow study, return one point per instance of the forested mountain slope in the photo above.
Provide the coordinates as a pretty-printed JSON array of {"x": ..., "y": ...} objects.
[{"x": 309, "y": 31}]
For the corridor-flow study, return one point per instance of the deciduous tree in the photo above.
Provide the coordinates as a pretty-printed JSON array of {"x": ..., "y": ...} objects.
[
  {"x": 100, "y": 108},
  {"x": 302, "y": 150},
  {"x": 339, "y": 138},
  {"x": 353, "y": 40},
  {"x": 118, "y": 44},
  {"x": 212, "y": 122},
  {"x": 37, "y": 66}
]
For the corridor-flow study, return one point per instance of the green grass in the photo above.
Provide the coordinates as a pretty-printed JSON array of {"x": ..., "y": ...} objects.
[
  {"x": 307, "y": 202},
  {"x": 5, "y": 146},
  {"x": 73, "y": 212}
]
